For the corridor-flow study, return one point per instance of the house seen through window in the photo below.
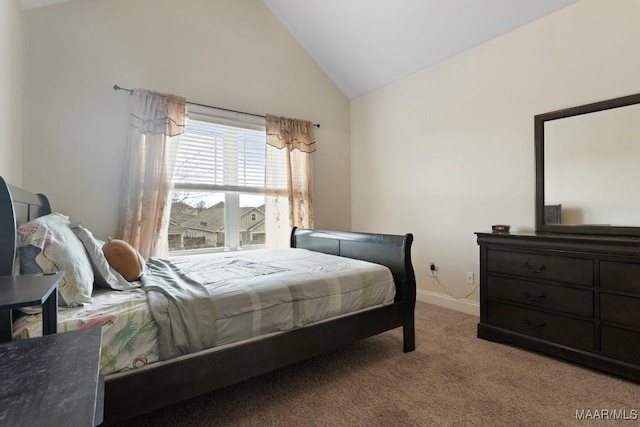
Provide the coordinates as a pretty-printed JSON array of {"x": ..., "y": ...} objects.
[{"x": 219, "y": 177}]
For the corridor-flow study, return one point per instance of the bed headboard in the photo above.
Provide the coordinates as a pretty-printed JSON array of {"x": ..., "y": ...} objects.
[
  {"x": 17, "y": 206},
  {"x": 392, "y": 251}
]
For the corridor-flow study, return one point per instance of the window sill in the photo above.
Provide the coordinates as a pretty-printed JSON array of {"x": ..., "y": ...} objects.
[{"x": 217, "y": 250}]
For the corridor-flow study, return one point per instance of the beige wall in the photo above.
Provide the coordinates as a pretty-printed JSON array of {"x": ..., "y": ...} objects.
[
  {"x": 227, "y": 53},
  {"x": 11, "y": 92},
  {"x": 450, "y": 150}
]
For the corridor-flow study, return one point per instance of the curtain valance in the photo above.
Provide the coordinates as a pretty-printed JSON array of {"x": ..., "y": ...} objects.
[
  {"x": 157, "y": 113},
  {"x": 291, "y": 133}
]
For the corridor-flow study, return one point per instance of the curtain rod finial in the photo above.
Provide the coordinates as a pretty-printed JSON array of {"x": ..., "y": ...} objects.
[{"x": 116, "y": 88}]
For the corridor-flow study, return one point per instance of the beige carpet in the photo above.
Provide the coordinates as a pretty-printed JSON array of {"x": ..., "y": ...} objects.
[{"x": 452, "y": 379}]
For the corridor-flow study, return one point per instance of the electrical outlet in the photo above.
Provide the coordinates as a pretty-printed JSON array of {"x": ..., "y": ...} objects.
[
  {"x": 470, "y": 277},
  {"x": 432, "y": 270}
]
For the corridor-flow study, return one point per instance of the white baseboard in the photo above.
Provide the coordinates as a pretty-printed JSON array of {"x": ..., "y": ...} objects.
[{"x": 448, "y": 302}]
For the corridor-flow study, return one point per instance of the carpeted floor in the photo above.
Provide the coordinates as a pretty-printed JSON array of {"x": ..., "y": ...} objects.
[{"x": 452, "y": 379}]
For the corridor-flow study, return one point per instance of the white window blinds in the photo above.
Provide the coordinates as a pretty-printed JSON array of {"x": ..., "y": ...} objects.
[{"x": 221, "y": 151}]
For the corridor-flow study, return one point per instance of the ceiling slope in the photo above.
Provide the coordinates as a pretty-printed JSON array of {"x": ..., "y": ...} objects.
[{"x": 366, "y": 44}]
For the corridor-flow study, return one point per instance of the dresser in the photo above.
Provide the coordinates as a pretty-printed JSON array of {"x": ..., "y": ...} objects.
[{"x": 576, "y": 297}]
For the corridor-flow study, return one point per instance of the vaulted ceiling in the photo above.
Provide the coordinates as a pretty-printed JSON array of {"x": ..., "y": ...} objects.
[
  {"x": 363, "y": 45},
  {"x": 366, "y": 44}
]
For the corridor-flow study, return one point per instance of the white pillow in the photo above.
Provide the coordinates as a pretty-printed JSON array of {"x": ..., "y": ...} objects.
[
  {"x": 60, "y": 251},
  {"x": 105, "y": 275}
]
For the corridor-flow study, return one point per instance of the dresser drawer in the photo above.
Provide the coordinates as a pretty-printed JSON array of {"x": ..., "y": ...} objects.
[
  {"x": 578, "y": 271},
  {"x": 553, "y": 297},
  {"x": 620, "y": 275},
  {"x": 542, "y": 325},
  {"x": 620, "y": 309},
  {"x": 620, "y": 343}
]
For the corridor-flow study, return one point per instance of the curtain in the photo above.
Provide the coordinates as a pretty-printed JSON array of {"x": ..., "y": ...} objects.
[
  {"x": 155, "y": 123},
  {"x": 289, "y": 178}
]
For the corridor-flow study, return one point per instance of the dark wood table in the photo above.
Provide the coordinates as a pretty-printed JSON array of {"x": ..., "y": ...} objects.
[
  {"x": 29, "y": 290},
  {"x": 52, "y": 380}
]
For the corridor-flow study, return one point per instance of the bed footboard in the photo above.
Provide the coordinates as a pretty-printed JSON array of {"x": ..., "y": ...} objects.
[{"x": 392, "y": 251}]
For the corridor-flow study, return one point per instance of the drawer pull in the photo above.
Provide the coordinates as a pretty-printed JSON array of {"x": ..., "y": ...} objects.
[
  {"x": 532, "y": 269},
  {"x": 533, "y": 325},
  {"x": 532, "y": 297}
]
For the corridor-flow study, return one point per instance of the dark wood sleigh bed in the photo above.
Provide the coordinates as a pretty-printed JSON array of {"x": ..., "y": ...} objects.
[{"x": 132, "y": 393}]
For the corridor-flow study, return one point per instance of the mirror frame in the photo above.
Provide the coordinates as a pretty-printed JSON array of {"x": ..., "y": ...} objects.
[{"x": 539, "y": 121}]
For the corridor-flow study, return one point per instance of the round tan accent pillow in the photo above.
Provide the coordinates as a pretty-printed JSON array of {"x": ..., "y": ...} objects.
[{"x": 124, "y": 259}]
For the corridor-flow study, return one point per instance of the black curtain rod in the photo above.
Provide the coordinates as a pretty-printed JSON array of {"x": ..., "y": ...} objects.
[{"x": 116, "y": 88}]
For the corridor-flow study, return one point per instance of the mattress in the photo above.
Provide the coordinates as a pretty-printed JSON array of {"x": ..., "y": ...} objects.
[{"x": 253, "y": 293}]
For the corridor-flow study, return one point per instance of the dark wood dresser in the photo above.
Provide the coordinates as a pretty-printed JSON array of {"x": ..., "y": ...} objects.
[{"x": 576, "y": 297}]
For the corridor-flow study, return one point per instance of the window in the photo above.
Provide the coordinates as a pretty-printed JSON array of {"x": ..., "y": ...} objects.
[{"x": 219, "y": 177}]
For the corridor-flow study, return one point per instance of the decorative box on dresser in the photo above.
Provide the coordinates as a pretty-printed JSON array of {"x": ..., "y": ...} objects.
[{"x": 576, "y": 297}]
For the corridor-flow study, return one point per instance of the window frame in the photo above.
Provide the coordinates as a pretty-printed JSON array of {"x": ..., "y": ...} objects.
[{"x": 232, "y": 193}]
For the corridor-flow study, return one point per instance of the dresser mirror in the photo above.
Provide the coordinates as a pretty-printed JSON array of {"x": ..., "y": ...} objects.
[{"x": 588, "y": 168}]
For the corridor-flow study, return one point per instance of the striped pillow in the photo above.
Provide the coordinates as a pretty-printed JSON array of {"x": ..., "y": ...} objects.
[{"x": 28, "y": 263}]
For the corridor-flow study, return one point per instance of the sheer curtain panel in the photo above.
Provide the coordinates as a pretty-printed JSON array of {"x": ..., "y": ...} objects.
[
  {"x": 155, "y": 123},
  {"x": 289, "y": 178}
]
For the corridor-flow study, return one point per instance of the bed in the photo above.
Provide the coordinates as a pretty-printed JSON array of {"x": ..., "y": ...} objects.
[{"x": 133, "y": 392}]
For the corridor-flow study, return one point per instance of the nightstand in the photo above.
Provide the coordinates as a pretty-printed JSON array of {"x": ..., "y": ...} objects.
[
  {"x": 52, "y": 380},
  {"x": 29, "y": 290}
]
